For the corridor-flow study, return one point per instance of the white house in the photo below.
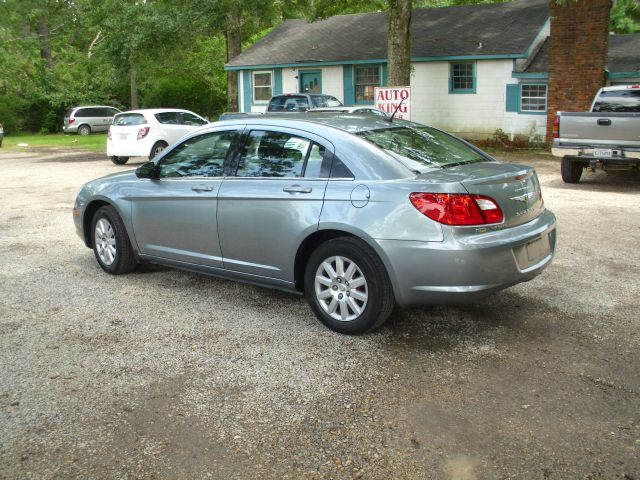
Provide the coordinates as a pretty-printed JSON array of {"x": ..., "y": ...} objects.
[{"x": 475, "y": 68}]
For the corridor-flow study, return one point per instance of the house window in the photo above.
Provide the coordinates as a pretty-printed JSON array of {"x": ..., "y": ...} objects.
[
  {"x": 462, "y": 78},
  {"x": 533, "y": 98},
  {"x": 262, "y": 86},
  {"x": 367, "y": 77}
]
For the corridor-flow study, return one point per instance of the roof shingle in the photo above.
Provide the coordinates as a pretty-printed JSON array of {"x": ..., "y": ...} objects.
[{"x": 485, "y": 29}]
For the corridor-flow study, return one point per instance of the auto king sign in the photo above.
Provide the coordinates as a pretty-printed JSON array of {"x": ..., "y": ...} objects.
[{"x": 388, "y": 99}]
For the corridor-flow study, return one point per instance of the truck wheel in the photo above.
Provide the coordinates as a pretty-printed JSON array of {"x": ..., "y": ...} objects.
[{"x": 571, "y": 170}]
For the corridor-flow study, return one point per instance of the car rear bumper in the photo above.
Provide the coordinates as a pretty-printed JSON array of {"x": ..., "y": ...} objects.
[
  {"x": 133, "y": 148},
  {"x": 70, "y": 128},
  {"x": 465, "y": 268}
]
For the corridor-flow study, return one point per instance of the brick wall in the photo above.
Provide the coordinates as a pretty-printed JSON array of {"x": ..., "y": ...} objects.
[{"x": 578, "y": 55}]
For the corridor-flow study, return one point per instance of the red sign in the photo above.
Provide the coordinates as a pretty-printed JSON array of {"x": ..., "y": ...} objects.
[{"x": 390, "y": 99}]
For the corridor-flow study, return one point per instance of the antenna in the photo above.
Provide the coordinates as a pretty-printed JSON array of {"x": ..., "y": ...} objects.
[{"x": 396, "y": 110}]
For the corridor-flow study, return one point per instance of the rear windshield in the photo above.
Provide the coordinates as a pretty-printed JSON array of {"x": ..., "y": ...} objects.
[
  {"x": 320, "y": 101},
  {"x": 618, "y": 101},
  {"x": 68, "y": 113},
  {"x": 125, "y": 119},
  {"x": 291, "y": 103},
  {"x": 422, "y": 148}
]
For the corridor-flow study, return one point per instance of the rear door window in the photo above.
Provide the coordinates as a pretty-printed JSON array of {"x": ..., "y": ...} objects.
[
  {"x": 200, "y": 156},
  {"x": 618, "y": 101},
  {"x": 187, "y": 118},
  {"x": 168, "y": 118},
  {"x": 279, "y": 154},
  {"x": 127, "y": 119}
]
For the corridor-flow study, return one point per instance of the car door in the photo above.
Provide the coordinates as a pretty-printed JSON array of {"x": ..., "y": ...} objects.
[
  {"x": 273, "y": 200},
  {"x": 171, "y": 128},
  {"x": 174, "y": 216}
]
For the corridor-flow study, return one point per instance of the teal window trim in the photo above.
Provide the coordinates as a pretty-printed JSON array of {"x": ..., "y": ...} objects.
[
  {"x": 348, "y": 89},
  {"x": 261, "y": 102},
  {"x": 246, "y": 90},
  {"x": 277, "y": 81},
  {"x": 305, "y": 70},
  {"x": 532, "y": 76},
  {"x": 533, "y": 112},
  {"x": 382, "y": 82},
  {"x": 473, "y": 73}
]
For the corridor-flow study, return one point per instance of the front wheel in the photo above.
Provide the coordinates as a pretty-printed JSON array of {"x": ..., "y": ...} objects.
[
  {"x": 119, "y": 160},
  {"x": 348, "y": 287},
  {"x": 111, "y": 244},
  {"x": 571, "y": 170}
]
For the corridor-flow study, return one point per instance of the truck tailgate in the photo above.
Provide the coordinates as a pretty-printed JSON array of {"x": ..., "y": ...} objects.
[{"x": 600, "y": 129}]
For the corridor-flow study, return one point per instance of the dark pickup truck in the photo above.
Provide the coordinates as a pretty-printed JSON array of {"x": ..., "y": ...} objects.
[{"x": 607, "y": 137}]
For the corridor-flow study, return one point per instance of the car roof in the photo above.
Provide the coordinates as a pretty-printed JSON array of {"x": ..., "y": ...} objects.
[
  {"x": 621, "y": 87},
  {"x": 94, "y": 106},
  {"x": 347, "y": 122},
  {"x": 157, "y": 110}
]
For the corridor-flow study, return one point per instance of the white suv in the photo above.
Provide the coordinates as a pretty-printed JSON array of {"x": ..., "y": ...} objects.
[{"x": 145, "y": 133}]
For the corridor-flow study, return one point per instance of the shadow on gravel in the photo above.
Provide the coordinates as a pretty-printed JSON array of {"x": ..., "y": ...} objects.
[
  {"x": 614, "y": 182},
  {"x": 75, "y": 158},
  {"x": 507, "y": 315}
]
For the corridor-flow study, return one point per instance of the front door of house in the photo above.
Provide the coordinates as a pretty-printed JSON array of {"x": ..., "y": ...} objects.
[{"x": 310, "y": 82}]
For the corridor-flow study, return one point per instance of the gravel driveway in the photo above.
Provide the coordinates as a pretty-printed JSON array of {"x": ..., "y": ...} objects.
[{"x": 167, "y": 374}]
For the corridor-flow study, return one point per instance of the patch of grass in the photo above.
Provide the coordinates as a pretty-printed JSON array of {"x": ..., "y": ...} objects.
[{"x": 96, "y": 142}]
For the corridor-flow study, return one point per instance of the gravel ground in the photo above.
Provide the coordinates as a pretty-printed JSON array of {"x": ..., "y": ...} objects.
[{"x": 167, "y": 374}]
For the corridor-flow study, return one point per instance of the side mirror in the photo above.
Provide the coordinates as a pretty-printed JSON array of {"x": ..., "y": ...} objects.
[{"x": 148, "y": 170}]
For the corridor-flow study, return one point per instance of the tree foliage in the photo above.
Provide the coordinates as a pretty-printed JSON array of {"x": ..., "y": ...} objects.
[{"x": 55, "y": 54}]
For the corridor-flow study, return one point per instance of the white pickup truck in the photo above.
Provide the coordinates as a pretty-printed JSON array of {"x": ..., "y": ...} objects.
[{"x": 607, "y": 137}]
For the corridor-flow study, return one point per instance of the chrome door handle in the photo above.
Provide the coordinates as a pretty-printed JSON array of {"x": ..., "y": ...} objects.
[
  {"x": 202, "y": 188},
  {"x": 297, "y": 189}
]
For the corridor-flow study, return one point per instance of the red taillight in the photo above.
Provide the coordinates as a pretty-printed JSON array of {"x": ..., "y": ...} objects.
[
  {"x": 556, "y": 127},
  {"x": 143, "y": 132},
  {"x": 109, "y": 133},
  {"x": 457, "y": 208},
  {"x": 71, "y": 120}
]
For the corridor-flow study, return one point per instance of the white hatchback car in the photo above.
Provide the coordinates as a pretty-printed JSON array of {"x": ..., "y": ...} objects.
[{"x": 145, "y": 133}]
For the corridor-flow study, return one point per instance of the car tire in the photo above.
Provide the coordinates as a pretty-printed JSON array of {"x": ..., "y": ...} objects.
[
  {"x": 157, "y": 148},
  {"x": 571, "y": 170},
  {"x": 119, "y": 160},
  {"x": 347, "y": 286},
  {"x": 84, "y": 130},
  {"x": 110, "y": 242}
]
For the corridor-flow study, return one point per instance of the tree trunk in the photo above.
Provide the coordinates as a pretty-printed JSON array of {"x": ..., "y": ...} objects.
[
  {"x": 135, "y": 104},
  {"x": 578, "y": 49},
  {"x": 234, "y": 47},
  {"x": 45, "y": 41},
  {"x": 399, "y": 43}
]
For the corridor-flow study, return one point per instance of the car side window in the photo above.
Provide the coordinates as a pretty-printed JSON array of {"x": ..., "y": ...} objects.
[
  {"x": 200, "y": 156},
  {"x": 190, "y": 119},
  {"x": 273, "y": 154},
  {"x": 313, "y": 168},
  {"x": 168, "y": 118}
]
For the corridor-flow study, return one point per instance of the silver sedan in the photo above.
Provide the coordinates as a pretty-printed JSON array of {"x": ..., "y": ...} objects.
[{"x": 356, "y": 212}]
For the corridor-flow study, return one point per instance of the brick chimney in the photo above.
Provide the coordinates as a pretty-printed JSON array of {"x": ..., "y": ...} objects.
[{"x": 577, "y": 55}]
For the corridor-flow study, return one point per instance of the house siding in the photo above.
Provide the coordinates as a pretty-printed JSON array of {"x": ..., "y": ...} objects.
[{"x": 470, "y": 115}]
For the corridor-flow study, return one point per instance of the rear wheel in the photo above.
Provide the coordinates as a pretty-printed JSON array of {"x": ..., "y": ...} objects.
[
  {"x": 119, "y": 160},
  {"x": 110, "y": 242},
  {"x": 84, "y": 130},
  {"x": 571, "y": 170},
  {"x": 156, "y": 149},
  {"x": 347, "y": 286}
]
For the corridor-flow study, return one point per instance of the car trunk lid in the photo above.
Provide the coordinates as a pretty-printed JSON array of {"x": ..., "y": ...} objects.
[{"x": 515, "y": 188}]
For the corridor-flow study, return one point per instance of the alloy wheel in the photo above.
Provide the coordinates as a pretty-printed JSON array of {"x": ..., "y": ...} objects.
[
  {"x": 105, "y": 241},
  {"x": 341, "y": 288}
]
